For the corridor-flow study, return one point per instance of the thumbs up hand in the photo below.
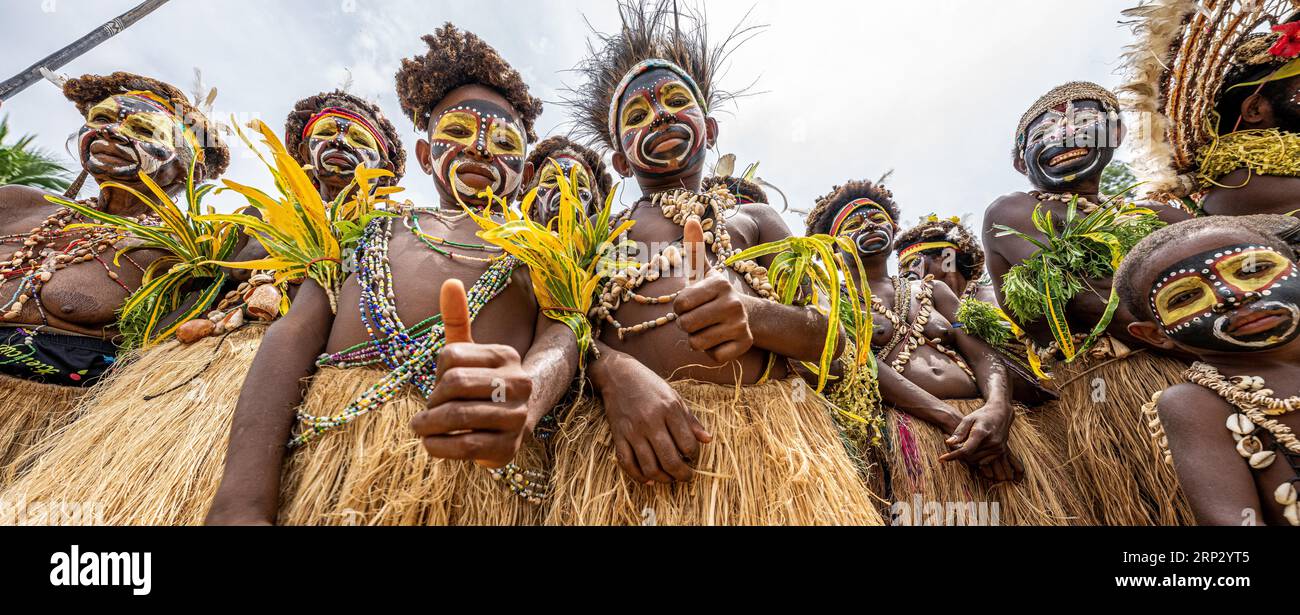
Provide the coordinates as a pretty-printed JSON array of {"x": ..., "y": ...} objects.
[
  {"x": 479, "y": 407},
  {"x": 709, "y": 309}
]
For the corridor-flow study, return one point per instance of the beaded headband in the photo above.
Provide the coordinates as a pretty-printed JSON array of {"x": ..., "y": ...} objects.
[
  {"x": 853, "y": 207},
  {"x": 642, "y": 68},
  {"x": 165, "y": 106},
  {"x": 329, "y": 112},
  {"x": 912, "y": 252}
]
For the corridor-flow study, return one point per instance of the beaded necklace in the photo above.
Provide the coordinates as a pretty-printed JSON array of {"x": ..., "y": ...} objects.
[
  {"x": 709, "y": 209},
  {"x": 443, "y": 246},
  {"x": 409, "y": 354},
  {"x": 1256, "y": 407},
  {"x": 912, "y": 335},
  {"x": 35, "y": 262}
]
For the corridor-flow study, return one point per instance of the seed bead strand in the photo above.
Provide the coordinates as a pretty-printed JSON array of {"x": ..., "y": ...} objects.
[
  {"x": 411, "y": 360},
  {"x": 912, "y": 335}
]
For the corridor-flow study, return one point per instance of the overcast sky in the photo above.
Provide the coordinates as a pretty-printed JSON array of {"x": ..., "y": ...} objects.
[{"x": 849, "y": 89}]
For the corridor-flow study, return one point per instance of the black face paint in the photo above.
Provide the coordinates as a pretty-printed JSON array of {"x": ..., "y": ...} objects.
[
  {"x": 547, "y": 204},
  {"x": 338, "y": 145},
  {"x": 1241, "y": 298},
  {"x": 484, "y": 144},
  {"x": 1062, "y": 148},
  {"x": 127, "y": 135},
  {"x": 662, "y": 128}
]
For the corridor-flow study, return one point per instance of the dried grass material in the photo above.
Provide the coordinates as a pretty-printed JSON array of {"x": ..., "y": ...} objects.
[
  {"x": 149, "y": 462},
  {"x": 776, "y": 459},
  {"x": 1106, "y": 441},
  {"x": 30, "y": 412},
  {"x": 1043, "y": 498},
  {"x": 375, "y": 471}
]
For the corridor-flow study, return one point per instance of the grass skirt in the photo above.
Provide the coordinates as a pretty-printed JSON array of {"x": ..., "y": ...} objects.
[
  {"x": 146, "y": 460},
  {"x": 1105, "y": 441},
  {"x": 30, "y": 412},
  {"x": 919, "y": 479},
  {"x": 776, "y": 459},
  {"x": 375, "y": 471}
]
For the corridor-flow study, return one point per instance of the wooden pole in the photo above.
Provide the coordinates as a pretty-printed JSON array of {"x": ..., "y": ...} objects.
[{"x": 56, "y": 60}]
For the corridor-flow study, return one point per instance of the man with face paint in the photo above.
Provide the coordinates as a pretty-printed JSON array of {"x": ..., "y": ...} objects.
[
  {"x": 579, "y": 165},
  {"x": 948, "y": 251},
  {"x": 62, "y": 288},
  {"x": 942, "y": 377},
  {"x": 370, "y": 449},
  {"x": 331, "y": 133},
  {"x": 703, "y": 327},
  {"x": 1228, "y": 292},
  {"x": 336, "y": 132},
  {"x": 1228, "y": 136},
  {"x": 1063, "y": 143}
]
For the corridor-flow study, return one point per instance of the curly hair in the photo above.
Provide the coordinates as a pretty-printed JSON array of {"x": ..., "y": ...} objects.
[
  {"x": 89, "y": 90},
  {"x": 820, "y": 218},
  {"x": 456, "y": 59},
  {"x": 651, "y": 29},
  {"x": 739, "y": 186},
  {"x": 1281, "y": 233},
  {"x": 970, "y": 255},
  {"x": 556, "y": 145},
  {"x": 304, "y": 109}
]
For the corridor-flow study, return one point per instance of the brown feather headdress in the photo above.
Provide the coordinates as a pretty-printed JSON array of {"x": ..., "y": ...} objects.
[{"x": 1186, "y": 50}]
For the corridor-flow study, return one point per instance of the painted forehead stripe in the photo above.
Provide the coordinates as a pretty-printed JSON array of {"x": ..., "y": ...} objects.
[
  {"x": 1208, "y": 270},
  {"x": 912, "y": 252},
  {"x": 488, "y": 112},
  {"x": 162, "y": 105},
  {"x": 642, "y": 68},
  {"x": 328, "y": 112},
  {"x": 851, "y": 208}
]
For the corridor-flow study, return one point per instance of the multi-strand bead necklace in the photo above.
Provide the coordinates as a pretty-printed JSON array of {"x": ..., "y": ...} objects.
[
  {"x": 409, "y": 354},
  {"x": 443, "y": 246},
  {"x": 35, "y": 262},
  {"x": 908, "y": 331},
  {"x": 680, "y": 206},
  {"x": 1257, "y": 407}
]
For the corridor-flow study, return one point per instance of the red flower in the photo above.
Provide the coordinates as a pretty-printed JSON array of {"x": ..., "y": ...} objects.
[{"x": 1289, "y": 45}]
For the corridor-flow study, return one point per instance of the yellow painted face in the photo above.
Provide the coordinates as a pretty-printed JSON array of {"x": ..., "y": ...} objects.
[
  {"x": 575, "y": 172},
  {"x": 1183, "y": 300},
  {"x": 459, "y": 127},
  {"x": 134, "y": 119},
  {"x": 355, "y": 134},
  {"x": 1196, "y": 286}
]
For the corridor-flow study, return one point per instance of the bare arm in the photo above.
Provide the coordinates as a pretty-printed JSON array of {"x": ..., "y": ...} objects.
[
  {"x": 1217, "y": 482},
  {"x": 551, "y": 362},
  {"x": 990, "y": 374},
  {"x": 911, "y": 399},
  {"x": 250, "y": 487}
]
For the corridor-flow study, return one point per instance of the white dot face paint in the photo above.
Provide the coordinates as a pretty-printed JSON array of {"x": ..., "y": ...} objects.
[
  {"x": 1238, "y": 299},
  {"x": 476, "y": 146}
]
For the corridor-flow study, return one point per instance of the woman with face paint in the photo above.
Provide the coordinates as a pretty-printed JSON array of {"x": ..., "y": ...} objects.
[
  {"x": 1063, "y": 143},
  {"x": 580, "y": 166},
  {"x": 401, "y": 403},
  {"x": 190, "y": 388},
  {"x": 1225, "y": 127},
  {"x": 952, "y": 427},
  {"x": 766, "y": 447},
  {"x": 1227, "y": 291},
  {"x": 61, "y": 287}
]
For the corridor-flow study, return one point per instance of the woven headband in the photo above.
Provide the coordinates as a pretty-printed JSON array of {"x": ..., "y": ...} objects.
[
  {"x": 642, "y": 68},
  {"x": 328, "y": 112}
]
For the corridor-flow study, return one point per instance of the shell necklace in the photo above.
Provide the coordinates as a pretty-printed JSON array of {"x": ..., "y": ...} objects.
[
  {"x": 1257, "y": 405},
  {"x": 912, "y": 335}
]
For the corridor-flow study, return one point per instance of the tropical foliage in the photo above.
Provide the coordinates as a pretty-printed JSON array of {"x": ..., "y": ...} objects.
[{"x": 24, "y": 165}]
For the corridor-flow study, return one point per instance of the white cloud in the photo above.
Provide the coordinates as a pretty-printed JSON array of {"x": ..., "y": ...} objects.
[{"x": 848, "y": 89}]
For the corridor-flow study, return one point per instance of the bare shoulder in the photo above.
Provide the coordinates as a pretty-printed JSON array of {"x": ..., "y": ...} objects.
[
  {"x": 1189, "y": 407},
  {"x": 1009, "y": 209},
  {"x": 766, "y": 223},
  {"x": 14, "y": 197}
]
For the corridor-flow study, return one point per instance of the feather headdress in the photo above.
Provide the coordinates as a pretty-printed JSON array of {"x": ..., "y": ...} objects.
[
  {"x": 1175, "y": 71},
  {"x": 654, "y": 34}
]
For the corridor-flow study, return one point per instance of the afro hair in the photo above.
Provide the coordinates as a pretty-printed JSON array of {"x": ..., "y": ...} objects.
[
  {"x": 744, "y": 189},
  {"x": 89, "y": 90},
  {"x": 1282, "y": 233},
  {"x": 310, "y": 106},
  {"x": 819, "y": 219},
  {"x": 557, "y": 145},
  {"x": 456, "y": 59}
]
